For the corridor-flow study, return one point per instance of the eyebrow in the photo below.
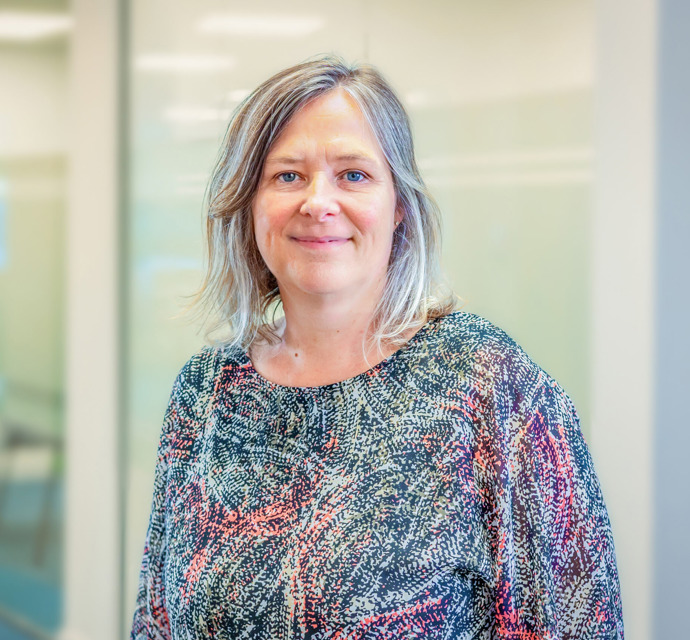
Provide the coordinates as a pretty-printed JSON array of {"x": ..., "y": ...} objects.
[
  {"x": 284, "y": 160},
  {"x": 356, "y": 157},
  {"x": 347, "y": 157}
]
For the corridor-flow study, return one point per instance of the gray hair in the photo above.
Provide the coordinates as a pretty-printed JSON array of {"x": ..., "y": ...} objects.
[{"x": 238, "y": 287}]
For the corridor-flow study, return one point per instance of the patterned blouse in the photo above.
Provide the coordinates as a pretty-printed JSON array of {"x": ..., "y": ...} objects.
[{"x": 445, "y": 493}]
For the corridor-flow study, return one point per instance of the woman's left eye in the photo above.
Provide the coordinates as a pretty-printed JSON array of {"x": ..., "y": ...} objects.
[{"x": 354, "y": 176}]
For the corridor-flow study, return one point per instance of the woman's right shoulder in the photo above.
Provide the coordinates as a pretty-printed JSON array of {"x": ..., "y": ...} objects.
[{"x": 201, "y": 371}]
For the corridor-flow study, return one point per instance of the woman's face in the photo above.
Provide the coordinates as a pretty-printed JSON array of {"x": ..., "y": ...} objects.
[{"x": 324, "y": 212}]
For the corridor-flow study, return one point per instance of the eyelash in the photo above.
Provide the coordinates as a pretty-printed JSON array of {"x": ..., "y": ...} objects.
[
  {"x": 285, "y": 173},
  {"x": 358, "y": 173}
]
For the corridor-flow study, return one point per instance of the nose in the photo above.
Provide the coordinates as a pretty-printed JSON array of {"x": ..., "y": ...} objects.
[{"x": 320, "y": 198}]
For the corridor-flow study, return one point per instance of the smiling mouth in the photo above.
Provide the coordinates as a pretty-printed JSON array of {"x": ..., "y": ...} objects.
[{"x": 327, "y": 241}]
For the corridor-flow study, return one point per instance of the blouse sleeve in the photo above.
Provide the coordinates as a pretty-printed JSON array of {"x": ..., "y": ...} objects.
[
  {"x": 555, "y": 567},
  {"x": 151, "y": 620},
  {"x": 150, "y": 615}
]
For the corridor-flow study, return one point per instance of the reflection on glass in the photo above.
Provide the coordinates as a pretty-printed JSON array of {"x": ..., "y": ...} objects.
[{"x": 33, "y": 74}]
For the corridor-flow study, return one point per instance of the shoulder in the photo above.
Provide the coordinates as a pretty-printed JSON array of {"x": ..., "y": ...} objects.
[
  {"x": 467, "y": 335},
  {"x": 199, "y": 375},
  {"x": 495, "y": 363},
  {"x": 470, "y": 328},
  {"x": 525, "y": 420}
]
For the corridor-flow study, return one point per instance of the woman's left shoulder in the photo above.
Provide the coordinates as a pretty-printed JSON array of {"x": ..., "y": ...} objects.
[
  {"x": 462, "y": 332},
  {"x": 492, "y": 356}
]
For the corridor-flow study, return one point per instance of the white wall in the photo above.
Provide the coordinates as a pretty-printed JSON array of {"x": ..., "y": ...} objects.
[
  {"x": 92, "y": 553},
  {"x": 623, "y": 293}
]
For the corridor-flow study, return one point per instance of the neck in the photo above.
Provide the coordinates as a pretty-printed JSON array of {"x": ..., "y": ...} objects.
[
  {"x": 322, "y": 340},
  {"x": 317, "y": 327}
]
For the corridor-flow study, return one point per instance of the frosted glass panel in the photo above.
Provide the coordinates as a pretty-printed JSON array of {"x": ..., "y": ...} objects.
[
  {"x": 33, "y": 193},
  {"x": 500, "y": 96}
]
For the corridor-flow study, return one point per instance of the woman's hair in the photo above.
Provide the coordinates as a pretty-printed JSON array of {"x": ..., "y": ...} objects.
[{"x": 238, "y": 288}]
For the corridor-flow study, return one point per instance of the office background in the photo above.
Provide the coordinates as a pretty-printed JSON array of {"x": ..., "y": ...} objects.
[{"x": 554, "y": 136}]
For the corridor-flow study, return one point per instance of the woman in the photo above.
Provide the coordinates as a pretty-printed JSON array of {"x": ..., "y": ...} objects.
[{"x": 373, "y": 464}]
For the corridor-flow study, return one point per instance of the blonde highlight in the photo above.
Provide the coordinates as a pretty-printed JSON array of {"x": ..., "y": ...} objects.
[{"x": 238, "y": 290}]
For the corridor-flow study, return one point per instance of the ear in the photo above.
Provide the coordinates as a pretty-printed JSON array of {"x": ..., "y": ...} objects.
[{"x": 398, "y": 217}]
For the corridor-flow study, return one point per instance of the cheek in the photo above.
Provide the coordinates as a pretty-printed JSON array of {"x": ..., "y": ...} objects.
[
  {"x": 265, "y": 221},
  {"x": 377, "y": 216},
  {"x": 377, "y": 228},
  {"x": 265, "y": 244},
  {"x": 371, "y": 218},
  {"x": 261, "y": 236},
  {"x": 270, "y": 213}
]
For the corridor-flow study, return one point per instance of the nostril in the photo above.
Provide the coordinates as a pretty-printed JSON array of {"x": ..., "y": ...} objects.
[{"x": 319, "y": 203}]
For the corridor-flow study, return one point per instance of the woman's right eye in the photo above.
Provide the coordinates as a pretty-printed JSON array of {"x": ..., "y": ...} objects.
[{"x": 288, "y": 176}]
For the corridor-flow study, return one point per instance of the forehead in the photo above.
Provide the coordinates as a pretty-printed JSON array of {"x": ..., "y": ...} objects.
[{"x": 333, "y": 119}]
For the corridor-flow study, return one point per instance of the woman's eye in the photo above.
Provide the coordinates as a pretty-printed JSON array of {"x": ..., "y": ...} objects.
[
  {"x": 354, "y": 176},
  {"x": 288, "y": 176}
]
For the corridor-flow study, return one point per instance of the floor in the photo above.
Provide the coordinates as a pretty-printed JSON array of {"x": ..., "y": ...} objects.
[
  {"x": 30, "y": 572},
  {"x": 9, "y": 633}
]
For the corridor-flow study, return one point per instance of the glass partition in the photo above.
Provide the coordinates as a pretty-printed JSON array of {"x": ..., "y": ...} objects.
[{"x": 33, "y": 176}]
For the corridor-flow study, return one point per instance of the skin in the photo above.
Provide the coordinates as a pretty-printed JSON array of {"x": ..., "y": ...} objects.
[{"x": 324, "y": 216}]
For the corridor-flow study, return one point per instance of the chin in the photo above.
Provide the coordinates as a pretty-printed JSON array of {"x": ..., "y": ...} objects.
[
  {"x": 322, "y": 288},
  {"x": 324, "y": 284},
  {"x": 319, "y": 280},
  {"x": 322, "y": 280}
]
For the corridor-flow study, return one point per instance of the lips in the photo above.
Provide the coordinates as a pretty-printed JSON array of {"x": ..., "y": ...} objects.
[{"x": 320, "y": 243}]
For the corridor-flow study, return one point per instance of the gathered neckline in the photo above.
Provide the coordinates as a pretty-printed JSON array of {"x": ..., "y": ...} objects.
[{"x": 249, "y": 365}]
